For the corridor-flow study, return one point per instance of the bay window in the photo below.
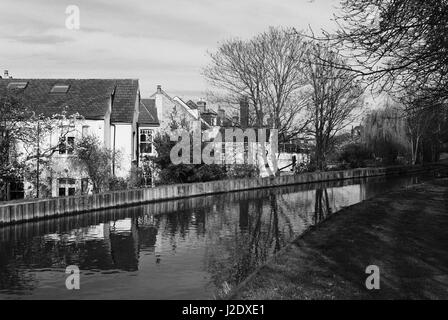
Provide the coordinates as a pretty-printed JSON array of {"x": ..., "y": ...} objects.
[{"x": 146, "y": 141}]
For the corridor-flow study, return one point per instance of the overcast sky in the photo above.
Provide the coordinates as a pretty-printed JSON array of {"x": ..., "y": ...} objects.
[{"x": 159, "y": 42}]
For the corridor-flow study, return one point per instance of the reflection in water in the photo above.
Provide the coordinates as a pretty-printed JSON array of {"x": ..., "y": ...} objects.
[
  {"x": 322, "y": 208},
  {"x": 189, "y": 248}
]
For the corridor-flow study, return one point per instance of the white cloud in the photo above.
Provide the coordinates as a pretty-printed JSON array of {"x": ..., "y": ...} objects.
[{"x": 159, "y": 42}]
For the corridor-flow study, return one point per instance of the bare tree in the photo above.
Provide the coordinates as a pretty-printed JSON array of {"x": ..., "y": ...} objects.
[
  {"x": 418, "y": 118},
  {"x": 234, "y": 69},
  {"x": 335, "y": 96},
  {"x": 25, "y": 145},
  {"x": 268, "y": 70},
  {"x": 397, "y": 42},
  {"x": 424, "y": 117},
  {"x": 404, "y": 127}
]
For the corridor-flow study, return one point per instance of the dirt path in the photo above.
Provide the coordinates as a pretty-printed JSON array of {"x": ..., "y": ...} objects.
[{"x": 404, "y": 233}]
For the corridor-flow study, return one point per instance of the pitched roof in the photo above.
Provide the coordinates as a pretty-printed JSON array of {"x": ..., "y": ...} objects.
[
  {"x": 125, "y": 97},
  {"x": 181, "y": 102},
  {"x": 89, "y": 97},
  {"x": 148, "y": 112}
]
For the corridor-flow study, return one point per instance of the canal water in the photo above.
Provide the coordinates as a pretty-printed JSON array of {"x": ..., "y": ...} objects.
[{"x": 194, "y": 248}]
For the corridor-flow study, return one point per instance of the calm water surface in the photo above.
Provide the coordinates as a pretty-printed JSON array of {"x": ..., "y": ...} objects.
[{"x": 184, "y": 249}]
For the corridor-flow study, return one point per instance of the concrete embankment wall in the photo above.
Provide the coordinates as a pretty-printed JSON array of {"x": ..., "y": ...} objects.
[{"x": 27, "y": 210}]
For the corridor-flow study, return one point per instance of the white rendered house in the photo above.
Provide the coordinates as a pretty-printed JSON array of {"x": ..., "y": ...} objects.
[{"x": 111, "y": 110}]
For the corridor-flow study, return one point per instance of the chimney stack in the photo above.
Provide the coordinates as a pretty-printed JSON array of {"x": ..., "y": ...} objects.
[
  {"x": 221, "y": 116},
  {"x": 234, "y": 120},
  {"x": 244, "y": 112},
  {"x": 201, "y": 105},
  {"x": 159, "y": 104}
]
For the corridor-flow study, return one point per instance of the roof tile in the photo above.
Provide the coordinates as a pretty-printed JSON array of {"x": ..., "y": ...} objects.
[
  {"x": 148, "y": 112},
  {"x": 88, "y": 97}
]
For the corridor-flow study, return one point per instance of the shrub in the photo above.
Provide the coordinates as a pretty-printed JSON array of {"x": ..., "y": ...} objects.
[
  {"x": 305, "y": 167},
  {"x": 117, "y": 183},
  {"x": 93, "y": 158},
  {"x": 186, "y": 173},
  {"x": 355, "y": 154},
  {"x": 238, "y": 171},
  {"x": 208, "y": 173},
  {"x": 136, "y": 177}
]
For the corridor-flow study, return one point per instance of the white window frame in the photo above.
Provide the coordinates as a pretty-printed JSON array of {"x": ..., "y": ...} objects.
[
  {"x": 67, "y": 145},
  {"x": 141, "y": 132},
  {"x": 66, "y": 184}
]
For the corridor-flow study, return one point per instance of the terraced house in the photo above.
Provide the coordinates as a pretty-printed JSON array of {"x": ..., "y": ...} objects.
[{"x": 110, "y": 109}]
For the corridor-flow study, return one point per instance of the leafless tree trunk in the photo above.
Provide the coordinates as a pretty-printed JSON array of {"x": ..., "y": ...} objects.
[
  {"x": 421, "y": 114},
  {"x": 396, "y": 43},
  {"x": 268, "y": 69},
  {"x": 335, "y": 95}
]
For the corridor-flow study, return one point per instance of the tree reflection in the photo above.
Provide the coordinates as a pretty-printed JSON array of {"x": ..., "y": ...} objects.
[
  {"x": 322, "y": 208},
  {"x": 222, "y": 236},
  {"x": 231, "y": 259},
  {"x": 275, "y": 229}
]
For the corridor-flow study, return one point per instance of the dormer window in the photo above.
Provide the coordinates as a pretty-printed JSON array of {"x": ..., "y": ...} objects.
[
  {"x": 60, "y": 88},
  {"x": 17, "y": 85}
]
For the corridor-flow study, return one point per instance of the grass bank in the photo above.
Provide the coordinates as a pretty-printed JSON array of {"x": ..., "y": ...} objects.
[{"x": 404, "y": 233}]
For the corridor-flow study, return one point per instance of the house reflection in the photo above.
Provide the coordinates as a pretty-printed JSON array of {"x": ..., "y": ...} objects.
[
  {"x": 124, "y": 244},
  {"x": 241, "y": 233},
  {"x": 224, "y": 237}
]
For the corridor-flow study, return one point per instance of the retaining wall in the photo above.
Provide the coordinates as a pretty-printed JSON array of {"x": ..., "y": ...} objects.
[{"x": 27, "y": 210}]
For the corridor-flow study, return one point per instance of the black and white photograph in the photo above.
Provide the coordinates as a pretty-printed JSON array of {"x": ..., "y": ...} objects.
[{"x": 222, "y": 155}]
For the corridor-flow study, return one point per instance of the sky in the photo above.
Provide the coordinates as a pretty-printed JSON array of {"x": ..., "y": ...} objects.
[{"x": 156, "y": 41}]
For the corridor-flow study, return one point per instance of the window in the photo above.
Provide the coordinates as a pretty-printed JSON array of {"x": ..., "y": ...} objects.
[
  {"x": 62, "y": 146},
  {"x": 70, "y": 145},
  {"x": 3, "y": 133},
  {"x": 85, "y": 131},
  {"x": 84, "y": 186},
  {"x": 66, "y": 187},
  {"x": 66, "y": 145},
  {"x": 146, "y": 140},
  {"x": 17, "y": 85},
  {"x": 59, "y": 88}
]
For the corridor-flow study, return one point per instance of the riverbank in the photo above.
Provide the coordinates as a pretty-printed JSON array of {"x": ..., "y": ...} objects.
[
  {"x": 30, "y": 210},
  {"x": 404, "y": 233}
]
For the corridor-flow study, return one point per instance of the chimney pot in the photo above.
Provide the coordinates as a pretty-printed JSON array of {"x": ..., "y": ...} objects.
[
  {"x": 6, "y": 74},
  {"x": 221, "y": 116},
  {"x": 159, "y": 88},
  {"x": 244, "y": 112}
]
